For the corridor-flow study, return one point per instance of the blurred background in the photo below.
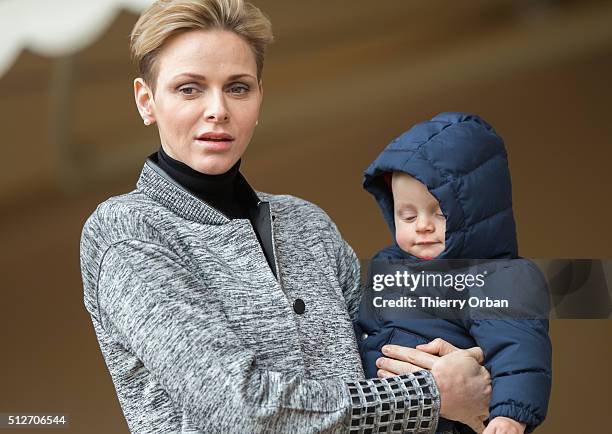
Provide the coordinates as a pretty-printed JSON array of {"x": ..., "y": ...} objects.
[{"x": 342, "y": 79}]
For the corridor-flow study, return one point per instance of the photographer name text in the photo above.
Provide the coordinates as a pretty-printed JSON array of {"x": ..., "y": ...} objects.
[{"x": 437, "y": 302}]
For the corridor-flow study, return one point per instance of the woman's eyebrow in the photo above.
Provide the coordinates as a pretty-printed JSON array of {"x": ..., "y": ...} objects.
[
  {"x": 189, "y": 75},
  {"x": 237, "y": 76},
  {"x": 201, "y": 77}
]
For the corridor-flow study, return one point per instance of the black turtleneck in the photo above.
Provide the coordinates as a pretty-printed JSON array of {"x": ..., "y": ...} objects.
[
  {"x": 220, "y": 191},
  {"x": 228, "y": 193}
]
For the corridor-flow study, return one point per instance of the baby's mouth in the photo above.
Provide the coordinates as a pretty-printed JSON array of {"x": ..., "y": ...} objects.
[{"x": 426, "y": 243}]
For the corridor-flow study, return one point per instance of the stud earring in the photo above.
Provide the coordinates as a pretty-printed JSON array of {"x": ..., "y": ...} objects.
[
  {"x": 147, "y": 122},
  {"x": 257, "y": 122}
]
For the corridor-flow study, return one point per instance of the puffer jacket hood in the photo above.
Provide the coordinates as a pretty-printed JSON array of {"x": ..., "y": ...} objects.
[{"x": 464, "y": 164}]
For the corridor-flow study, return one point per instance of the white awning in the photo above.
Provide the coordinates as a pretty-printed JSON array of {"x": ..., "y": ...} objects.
[{"x": 55, "y": 28}]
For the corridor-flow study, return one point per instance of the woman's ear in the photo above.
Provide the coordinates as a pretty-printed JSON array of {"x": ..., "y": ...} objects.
[{"x": 145, "y": 103}]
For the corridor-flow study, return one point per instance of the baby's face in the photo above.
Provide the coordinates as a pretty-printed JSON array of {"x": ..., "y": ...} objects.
[{"x": 420, "y": 226}]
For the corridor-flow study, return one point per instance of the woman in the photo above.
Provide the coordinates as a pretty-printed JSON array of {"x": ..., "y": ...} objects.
[{"x": 222, "y": 309}]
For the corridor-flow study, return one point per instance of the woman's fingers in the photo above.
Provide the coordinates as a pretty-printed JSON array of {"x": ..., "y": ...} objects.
[
  {"x": 410, "y": 355},
  {"x": 437, "y": 347},
  {"x": 440, "y": 348},
  {"x": 396, "y": 367},
  {"x": 477, "y": 353},
  {"x": 381, "y": 373}
]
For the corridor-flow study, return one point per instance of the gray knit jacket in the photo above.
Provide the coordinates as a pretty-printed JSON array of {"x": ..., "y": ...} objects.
[{"x": 200, "y": 337}]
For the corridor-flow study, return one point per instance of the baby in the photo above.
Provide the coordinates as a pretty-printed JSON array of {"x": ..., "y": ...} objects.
[{"x": 444, "y": 189}]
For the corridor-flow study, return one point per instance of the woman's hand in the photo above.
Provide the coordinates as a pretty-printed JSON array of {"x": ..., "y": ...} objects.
[{"x": 465, "y": 385}]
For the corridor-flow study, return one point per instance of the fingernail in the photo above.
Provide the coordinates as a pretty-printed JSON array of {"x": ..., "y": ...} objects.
[
  {"x": 378, "y": 363},
  {"x": 385, "y": 349}
]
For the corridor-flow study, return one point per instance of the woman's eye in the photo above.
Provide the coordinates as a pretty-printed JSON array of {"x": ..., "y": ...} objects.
[
  {"x": 238, "y": 89},
  {"x": 187, "y": 90}
]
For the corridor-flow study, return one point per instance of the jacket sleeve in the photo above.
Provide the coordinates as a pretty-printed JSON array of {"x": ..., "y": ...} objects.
[
  {"x": 161, "y": 312},
  {"x": 348, "y": 270},
  {"x": 517, "y": 350},
  {"x": 518, "y": 355}
]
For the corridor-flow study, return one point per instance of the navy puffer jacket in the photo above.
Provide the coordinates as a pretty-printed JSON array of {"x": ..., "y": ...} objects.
[{"x": 463, "y": 163}]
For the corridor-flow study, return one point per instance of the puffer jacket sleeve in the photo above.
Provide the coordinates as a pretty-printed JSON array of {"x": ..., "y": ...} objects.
[
  {"x": 518, "y": 356},
  {"x": 146, "y": 301}
]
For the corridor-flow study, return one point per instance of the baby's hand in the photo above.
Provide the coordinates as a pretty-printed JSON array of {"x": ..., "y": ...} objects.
[{"x": 504, "y": 425}]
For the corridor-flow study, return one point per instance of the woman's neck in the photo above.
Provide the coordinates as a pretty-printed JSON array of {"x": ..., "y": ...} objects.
[{"x": 217, "y": 190}]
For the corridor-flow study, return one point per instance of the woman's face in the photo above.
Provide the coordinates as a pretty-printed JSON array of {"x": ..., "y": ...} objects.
[{"x": 207, "y": 98}]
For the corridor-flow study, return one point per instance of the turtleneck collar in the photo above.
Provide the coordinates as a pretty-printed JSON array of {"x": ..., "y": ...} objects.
[{"x": 221, "y": 191}]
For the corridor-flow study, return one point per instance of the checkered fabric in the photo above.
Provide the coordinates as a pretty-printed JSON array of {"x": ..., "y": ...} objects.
[{"x": 403, "y": 404}]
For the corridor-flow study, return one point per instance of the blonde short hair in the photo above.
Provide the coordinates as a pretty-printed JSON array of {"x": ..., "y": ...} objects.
[{"x": 166, "y": 18}]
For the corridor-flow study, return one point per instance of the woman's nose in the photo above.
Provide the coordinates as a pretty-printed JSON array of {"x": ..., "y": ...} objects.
[{"x": 216, "y": 108}]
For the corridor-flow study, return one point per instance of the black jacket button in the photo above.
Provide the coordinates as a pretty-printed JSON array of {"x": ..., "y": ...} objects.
[{"x": 298, "y": 306}]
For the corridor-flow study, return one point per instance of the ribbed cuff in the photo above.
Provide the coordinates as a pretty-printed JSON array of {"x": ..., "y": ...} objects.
[
  {"x": 403, "y": 404},
  {"x": 518, "y": 412}
]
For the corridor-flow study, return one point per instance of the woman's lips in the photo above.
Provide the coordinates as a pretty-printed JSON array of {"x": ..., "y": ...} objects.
[
  {"x": 215, "y": 146},
  {"x": 215, "y": 142},
  {"x": 215, "y": 136}
]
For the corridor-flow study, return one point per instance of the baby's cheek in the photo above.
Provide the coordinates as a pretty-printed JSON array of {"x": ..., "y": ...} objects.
[
  {"x": 443, "y": 245},
  {"x": 404, "y": 238}
]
